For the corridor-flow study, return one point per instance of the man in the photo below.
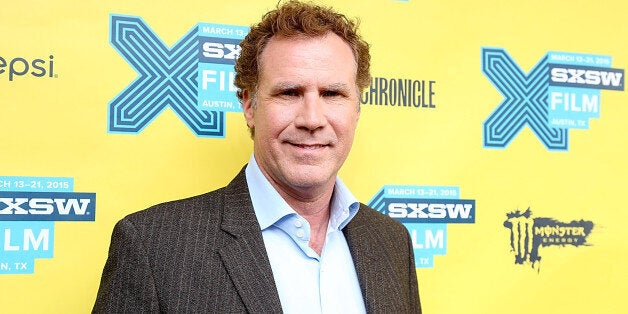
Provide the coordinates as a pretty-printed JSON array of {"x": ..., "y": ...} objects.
[{"x": 285, "y": 235}]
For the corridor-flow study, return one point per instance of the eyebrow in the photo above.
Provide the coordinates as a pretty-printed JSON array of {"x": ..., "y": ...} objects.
[
  {"x": 295, "y": 86},
  {"x": 337, "y": 87},
  {"x": 285, "y": 86}
]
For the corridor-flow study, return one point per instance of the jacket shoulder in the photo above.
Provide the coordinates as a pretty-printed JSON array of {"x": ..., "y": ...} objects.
[
  {"x": 190, "y": 208},
  {"x": 374, "y": 219}
]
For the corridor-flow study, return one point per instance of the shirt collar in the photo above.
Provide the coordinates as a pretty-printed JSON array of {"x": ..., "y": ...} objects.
[{"x": 270, "y": 207}]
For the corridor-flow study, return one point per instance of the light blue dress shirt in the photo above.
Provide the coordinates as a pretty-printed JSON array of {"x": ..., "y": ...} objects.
[{"x": 307, "y": 282}]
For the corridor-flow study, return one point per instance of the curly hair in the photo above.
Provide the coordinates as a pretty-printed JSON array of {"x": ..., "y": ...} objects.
[{"x": 295, "y": 18}]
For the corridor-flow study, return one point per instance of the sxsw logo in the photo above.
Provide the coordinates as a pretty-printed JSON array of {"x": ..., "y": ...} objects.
[
  {"x": 29, "y": 208},
  {"x": 432, "y": 210},
  {"x": 47, "y": 206},
  {"x": 586, "y": 77},
  {"x": 426, "y": 212},
  {"x": 220, "y": 50},
  {"x": 561, "y": 92},
  {"x": 194, "y": 77}
]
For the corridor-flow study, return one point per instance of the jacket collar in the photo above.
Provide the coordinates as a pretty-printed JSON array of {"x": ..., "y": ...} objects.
[{"x": 245, "y": 255}]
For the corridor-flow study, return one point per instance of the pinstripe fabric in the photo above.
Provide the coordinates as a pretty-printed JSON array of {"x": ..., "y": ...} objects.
[
  {"x": 384, "y": 261},
  {"x": 206, "y": 254}
]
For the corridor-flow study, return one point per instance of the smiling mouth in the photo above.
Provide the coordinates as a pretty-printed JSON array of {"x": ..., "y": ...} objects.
[{"x": 308, "y": 146}]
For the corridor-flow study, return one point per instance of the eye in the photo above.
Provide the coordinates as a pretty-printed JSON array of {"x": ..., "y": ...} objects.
[
  {"x": 287, "y": 92},
  {"x": 331, "y": 93},
  {"x": 290, "y": 92}
]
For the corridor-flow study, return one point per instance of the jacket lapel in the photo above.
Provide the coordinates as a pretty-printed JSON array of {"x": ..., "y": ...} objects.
[
  {"x": 372, "y": 264},
  {"x": 245, "y": 255}
]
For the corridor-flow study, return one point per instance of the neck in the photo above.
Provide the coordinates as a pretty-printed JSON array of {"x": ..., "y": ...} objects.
[
  {"x": 316, "y": 210},
  {"x": 310, "y": 202}
]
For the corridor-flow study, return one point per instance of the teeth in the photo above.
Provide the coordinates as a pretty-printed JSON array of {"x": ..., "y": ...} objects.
[{"x": 310, "y": 146}]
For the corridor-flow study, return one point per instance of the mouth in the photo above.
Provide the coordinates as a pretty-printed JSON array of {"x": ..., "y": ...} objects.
[{"x": 308, "y": 146}]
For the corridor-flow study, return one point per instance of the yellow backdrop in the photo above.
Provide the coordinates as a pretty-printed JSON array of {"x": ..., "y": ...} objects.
[{"x": 60, "y": 73}]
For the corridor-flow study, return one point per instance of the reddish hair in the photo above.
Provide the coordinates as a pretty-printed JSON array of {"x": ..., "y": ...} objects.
[{"x": 294, "y": 19}]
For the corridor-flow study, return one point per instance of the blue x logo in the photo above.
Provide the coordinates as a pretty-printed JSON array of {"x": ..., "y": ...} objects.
[
  {"x": 166, "y": 78},
  {"x": 525, "y": 102}
]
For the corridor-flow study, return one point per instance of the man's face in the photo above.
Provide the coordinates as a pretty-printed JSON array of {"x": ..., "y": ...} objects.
[{"x": 306, "y": 111}]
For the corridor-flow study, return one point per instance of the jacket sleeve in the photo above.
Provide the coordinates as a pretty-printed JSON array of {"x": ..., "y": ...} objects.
[{"x": 127, "y": 284}]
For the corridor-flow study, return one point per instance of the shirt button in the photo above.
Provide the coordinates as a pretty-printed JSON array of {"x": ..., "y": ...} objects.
[
  {"x": 298, "y": 223},
  {"x": 300, "y": 233}
]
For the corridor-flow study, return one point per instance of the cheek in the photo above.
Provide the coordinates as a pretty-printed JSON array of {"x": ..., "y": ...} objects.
[
  {"x": 272, "y": 122},
  {"x": 345, "y": 124}
]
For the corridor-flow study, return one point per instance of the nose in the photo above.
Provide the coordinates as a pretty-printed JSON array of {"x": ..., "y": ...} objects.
[{"x": 310, "y": 114}]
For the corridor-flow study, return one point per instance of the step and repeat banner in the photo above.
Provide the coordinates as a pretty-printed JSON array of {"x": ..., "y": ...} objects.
[{"x": 494, "y": 131}]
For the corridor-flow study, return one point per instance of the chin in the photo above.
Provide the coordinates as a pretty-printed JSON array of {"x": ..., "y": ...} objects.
[
  {"x": 305, "y": 181},
  {"x": 308, "y": 179}
]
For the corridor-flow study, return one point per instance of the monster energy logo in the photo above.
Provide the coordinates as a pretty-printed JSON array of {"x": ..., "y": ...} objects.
[{"x": 527, "y": 234}]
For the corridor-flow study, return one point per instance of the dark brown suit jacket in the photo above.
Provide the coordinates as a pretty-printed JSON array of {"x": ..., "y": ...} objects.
[{"x": 206, "y": 254}]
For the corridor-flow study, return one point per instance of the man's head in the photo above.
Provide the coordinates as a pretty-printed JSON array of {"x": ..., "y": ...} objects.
[
  {"x": 298, "y": 19},
  {"x": 300, "y": 75}
]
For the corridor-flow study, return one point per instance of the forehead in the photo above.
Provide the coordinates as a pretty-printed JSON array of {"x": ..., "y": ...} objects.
[{"x": 318, "y": 54}]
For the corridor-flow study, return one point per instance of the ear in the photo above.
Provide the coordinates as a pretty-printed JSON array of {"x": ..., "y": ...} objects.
[{"x": 247, "y": 108}]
